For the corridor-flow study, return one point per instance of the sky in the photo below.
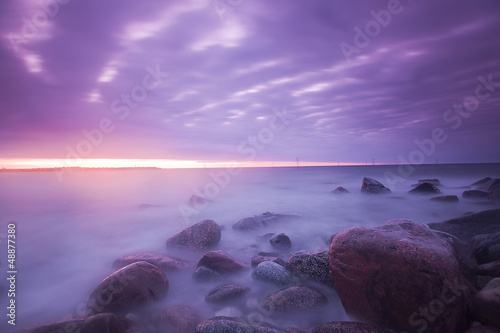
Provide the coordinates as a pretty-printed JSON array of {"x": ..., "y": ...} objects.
[{"x": 250, "y": 80}]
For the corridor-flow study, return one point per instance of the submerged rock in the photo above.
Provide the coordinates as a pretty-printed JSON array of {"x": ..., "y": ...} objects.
[
  {"x": 294, "y": 299},
  {"x": 272, "y": 272},
  {"x": 258, "y": 221},
  {"x": 129, "y": 287},
  {"x": 204, "y": 274},
  {"x": 372, "y": 186},
  {"x": 446, "y": 198},
  {"x": 280, "y": 241},
  {"x": 179, "y": 319},
  {"x": 162, "y": 262},
  {"x": 487, "y": 304},
  {"x": 221, "y": 262},
  {"x": 311, "y": 266},
  {"x": 425, "y": 188},
  {"x": 100, "y": 323},
  {"x": 474, "y": 194},
  {"x": 384, "y": 275},
  {"x": 433, "y": 181},
  {"x": 340, "y": 190},
  {"x": 468, "y": 226},
  {"x": 236, "y": 324},
  {"x": 349, "y": 327},
  {"x": 259, "y": 258},
  {"x": 202, "y": 235},
  {"x": 225, "y": 293}
]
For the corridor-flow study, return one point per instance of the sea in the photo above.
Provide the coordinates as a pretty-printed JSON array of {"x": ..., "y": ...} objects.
[{"x": 70, "y": 228}]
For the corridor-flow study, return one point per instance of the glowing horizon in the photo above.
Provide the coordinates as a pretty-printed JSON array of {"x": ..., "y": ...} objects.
[{"x": 156, "y": 163}]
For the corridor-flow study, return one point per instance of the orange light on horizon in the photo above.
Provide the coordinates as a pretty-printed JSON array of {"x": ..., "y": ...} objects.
[{"x": 155, "y": 163}]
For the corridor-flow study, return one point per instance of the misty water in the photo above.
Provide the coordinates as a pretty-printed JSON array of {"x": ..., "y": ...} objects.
[{"x": 69, "y": 232}]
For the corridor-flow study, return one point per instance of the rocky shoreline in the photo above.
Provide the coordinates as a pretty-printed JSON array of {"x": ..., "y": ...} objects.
[{"x": 402, "y": 276}]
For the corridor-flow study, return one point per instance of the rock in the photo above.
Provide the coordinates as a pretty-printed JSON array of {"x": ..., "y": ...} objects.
[
  {"x": 466, "y": 227},
  {"x": 433, "y": 181},
  {"x": 481, "y": 181},
  {"x": 483, "y": 329},
  {"x": 179, "y": 319},
  {"x": 487, "y": 186},
  {"x": 262, "y": 220},
  {"x": 485, "y": 247},
  {"x": 494, "y": 193},
  {"x": 225, "y": 293},
  {"x": 100, "y": 323},
  {"x": 372, "y": 186},
  {"x": 232, "y": 325},
  {"x": 272, "y": 272},
  {"x": 258, "y": 259},
  {"x": 294, "y": 299},
  {"x": 196, "y": 200},
  {"x": 280, "y": 241},
  {"x": 162, "y": 262},
  {"x": 203, "y": 274},
  {"x": 221, "y": 262},
  {"x": 489, "y": 269},
  {"x": 127, "y": 288},
  {"x": 474, "y": 194},
  {"x": 446, "y": 198},
  {"x": 340, "y": 190},
  {"x": 368, "y": 266},
  {"x": 349, "y": 327},
  {"x": 425, "y": 188},
  {"x": 202, "y": 235},
  {"x": 311, "y": 266},
  {"x": 487, "y": 304}
]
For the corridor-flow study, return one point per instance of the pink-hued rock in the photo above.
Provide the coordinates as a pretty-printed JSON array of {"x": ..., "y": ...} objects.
[
  {"x": 400, "y": 275},
  {"x": 179, "y": 319},
  {"x": 127, "y": 288},
  {"x": 221, "y": 262},
  {"x": 202, "y": 235}
]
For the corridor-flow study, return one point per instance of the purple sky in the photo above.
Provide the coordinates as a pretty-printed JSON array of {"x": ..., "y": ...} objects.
[{"x": 230, "y": 63}]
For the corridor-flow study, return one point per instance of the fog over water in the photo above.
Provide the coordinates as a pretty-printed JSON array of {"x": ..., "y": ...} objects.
[{"x": 70, "y": 232}]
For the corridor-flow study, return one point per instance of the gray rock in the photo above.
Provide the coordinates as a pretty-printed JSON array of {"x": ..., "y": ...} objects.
[
  {"x": 425, "y": 188},
  {"x": 202, "y": 235},
  {"x": 272, "y": 272},
  {"x": 294, "y": 299},
  {"x": 372, "y": 186},
  {"x": 236, "y": 325},
  {"x": 128, "y": 288},
  {"x": 311, "y": 266},
  {"x": 225, "y": 293},
  {"x": 204, "y": 274},
  {"x": 280, "y": 241}
]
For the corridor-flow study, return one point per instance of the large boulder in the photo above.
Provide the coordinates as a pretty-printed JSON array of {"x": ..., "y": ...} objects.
[
  {"x": 269, "y": 271},
  {"x": 202, "y": 235},
  {"x": 402, "y": 276},
  {"x": 239, "y": 324},
  {"x": 100, "y": 323},
  {"x": 178, "y": 319},
  {"x": 226, "y": 293},
  {"x": 162, "y": 262},
  {"x": 487, "y": 304},
  {"x": 349, "y": 327},
  {"x": 425, "y": 188},
  {"x": 311, "y": 266},
  {"x": 468, "y": 226},
  {"x": 221, "y": 262},
  {"x": 372, "y": 186},
  {"x": 294, "y": 300},
  {"x": 129, "y": 287}
]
